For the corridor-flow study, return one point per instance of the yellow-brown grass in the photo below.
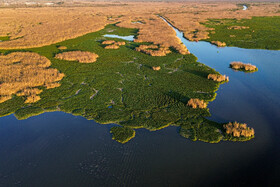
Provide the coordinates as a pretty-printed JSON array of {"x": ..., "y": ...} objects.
[
  {"x": 156, "y": 68},
  {"x": 197, "y": 103},
  {"x": 22, "y": 72},
  {"x": 80, "y": 56},
  {"x": 154, "y": 30},
  {"x": 154, "y": 50},
  {"x": 242, "y": 66},
  {"x": 218, "y": 78},
  {"x": 62, "y": 47},
  {"x": 35, "y": 27},
  {"x": 111, "y": 44},
  {"x": 108, "y": 42},
  {"x": 219, "y": 44},
  {"x": 239, "y": 129}
]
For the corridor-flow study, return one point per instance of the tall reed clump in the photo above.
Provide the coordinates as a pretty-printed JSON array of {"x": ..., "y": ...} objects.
[
  {"x": 218, "y": 78},
  {"x": 197, "y": 103},
  {"x": 153, "y": 50},
  {"x": 239, "y": 129},
  {"x": 22, "y": 72},
  {"x": 243, "y": 67},
  {"x": 111, "y": 44},
  {"x": 219, "y": 44},
  {"x": 80, "y": 56}
]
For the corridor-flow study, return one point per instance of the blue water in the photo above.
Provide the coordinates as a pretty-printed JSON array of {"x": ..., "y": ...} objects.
[
  {"x": 59, "y": 149},
  {"x": 128, "y": 38}
]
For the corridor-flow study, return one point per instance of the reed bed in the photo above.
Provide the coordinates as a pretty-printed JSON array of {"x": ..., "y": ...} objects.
[
  {"x": 80, "y": 56},
  {"x": 22, "y": 72},
  {"x": 197, "y": 103},
  {"x": 218, "y": 78},
  {"x": 239, "y": 129},
  {"x": 243, "y": 67}
]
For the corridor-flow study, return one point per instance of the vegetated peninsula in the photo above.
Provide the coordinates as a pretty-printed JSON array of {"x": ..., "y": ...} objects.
[
  {"x": 131, "y": 88},
  {"x": 151, "y": 82}
]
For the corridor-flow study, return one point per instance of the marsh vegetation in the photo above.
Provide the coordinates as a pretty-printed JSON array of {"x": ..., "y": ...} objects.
[
  {"x": 243, "y": 67},
  {"x": 121, "y": 87}
]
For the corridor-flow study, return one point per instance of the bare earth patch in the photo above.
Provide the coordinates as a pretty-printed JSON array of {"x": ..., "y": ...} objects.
[
  {"x": 80, "y": 56},
  {"x": 22, "y": 72}
]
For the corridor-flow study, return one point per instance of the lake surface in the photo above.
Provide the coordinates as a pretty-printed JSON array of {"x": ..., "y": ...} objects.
[{"x": 59, "y": 149}]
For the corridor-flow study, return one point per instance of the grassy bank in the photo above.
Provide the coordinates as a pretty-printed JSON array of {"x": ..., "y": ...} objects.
[
  {"x": 122, "y": 87},
  {"x": 255, "y": 33}
]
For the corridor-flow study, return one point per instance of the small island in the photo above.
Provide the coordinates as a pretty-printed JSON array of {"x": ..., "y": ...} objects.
[{"x": 240, "y": 66}]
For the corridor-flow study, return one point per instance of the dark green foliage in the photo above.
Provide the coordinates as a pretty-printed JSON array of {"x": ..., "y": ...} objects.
[
  {"x": 122, "y": 134},
  {"x": 263, "y": 32},
  {"x": 27, "y": 112}
]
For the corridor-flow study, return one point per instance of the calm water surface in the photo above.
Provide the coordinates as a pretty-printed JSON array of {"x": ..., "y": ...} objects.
[{"x": 56, "y": 149}]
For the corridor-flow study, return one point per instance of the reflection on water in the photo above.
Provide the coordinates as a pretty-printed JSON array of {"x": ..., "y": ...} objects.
[
  {"x": 59, "y": 149},
  {"x": 128, "y": 38}
]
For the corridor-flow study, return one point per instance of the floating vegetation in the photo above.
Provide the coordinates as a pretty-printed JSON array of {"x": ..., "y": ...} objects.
[
  {"x": 218, "y": 78},
  {"x": 243, "y": 67},
  {"x": 80, "y": 56}
]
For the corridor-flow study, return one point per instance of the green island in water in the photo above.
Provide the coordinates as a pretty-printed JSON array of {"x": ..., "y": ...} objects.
[{"x": 122, "y": 87}]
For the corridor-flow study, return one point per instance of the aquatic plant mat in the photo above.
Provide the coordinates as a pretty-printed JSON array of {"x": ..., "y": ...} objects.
[{"x": 121, "y": 87}]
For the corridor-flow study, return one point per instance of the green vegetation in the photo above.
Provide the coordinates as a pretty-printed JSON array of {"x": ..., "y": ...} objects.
[
  {"x": 121, "y": 87},
  {"x": 4, "y": 38},
  {"x": 255, "y": 33},
  {"x": 122, "y": 134}
]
